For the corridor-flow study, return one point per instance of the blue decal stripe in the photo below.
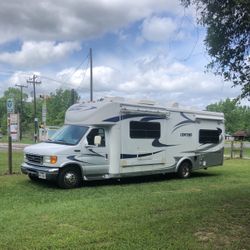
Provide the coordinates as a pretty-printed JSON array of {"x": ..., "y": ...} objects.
[
  {"x": 127, "y": 156},
  {"x": 95, "y": 153},
  {"x": 112, "y": 119},
  {"x": 151, "y": 118},
  {"x": 146, "y": 117},
  {"x": 156, "y": 143},
  {"x": 183, "y": 123},
  {"x": 72, "y": 158}
]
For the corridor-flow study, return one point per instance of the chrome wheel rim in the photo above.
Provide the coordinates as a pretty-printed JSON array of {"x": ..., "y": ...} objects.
[
  {"x": 70, "y": 179},
  {"x": 185, "y": 171}
]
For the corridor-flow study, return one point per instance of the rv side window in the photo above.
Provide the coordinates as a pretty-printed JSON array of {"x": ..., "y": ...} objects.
[
  {"x": 94, "y": 132},
  {"x": 209, "y": 136},
  {"x": 145, "y": 130}
]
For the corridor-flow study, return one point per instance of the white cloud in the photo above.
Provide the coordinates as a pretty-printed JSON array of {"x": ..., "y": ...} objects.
[
  {"x": 159, "y": 29},
  {"x": 74, "y": 20},
  {"x": 166, "y": 82},
  {"x": 18, "y": 77},
  {"x": 39, "y": 53},
  {"x": 104, "y": 78},
  {"x": 38, "y": 24}
]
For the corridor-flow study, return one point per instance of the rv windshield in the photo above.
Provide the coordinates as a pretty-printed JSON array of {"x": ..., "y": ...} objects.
[{"x": 68, "y": 134}]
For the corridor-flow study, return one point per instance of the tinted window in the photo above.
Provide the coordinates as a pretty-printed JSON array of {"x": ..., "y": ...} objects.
[
  {"x": 149, "y": 130},
  {"x": 69, "y": 134},
  {"x": 209, "y": 136},
  {"x": 94, "y": 132}
]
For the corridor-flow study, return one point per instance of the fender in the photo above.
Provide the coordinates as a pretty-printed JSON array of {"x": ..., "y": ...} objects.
[
  {"x": 68, "y": 163},
  {"x": 189, "y": 159}
]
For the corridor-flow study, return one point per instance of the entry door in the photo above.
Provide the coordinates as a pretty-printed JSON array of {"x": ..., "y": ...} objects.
[
  {"x": 97, "y": 156},
  {"x": 141, "y": 145}
]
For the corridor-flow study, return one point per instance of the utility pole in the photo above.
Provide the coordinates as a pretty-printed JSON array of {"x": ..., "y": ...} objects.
[
  {"x": 44, "y": 109},
  {"x": 34, "y": 81},
  {"x": 21, "y": 108},
  {"x": 73, "y": 97},
  {"x": 91, "y": 74}
]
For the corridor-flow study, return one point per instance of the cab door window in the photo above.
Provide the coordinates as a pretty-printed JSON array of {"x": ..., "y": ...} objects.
[{"x": 94, "y": 132}]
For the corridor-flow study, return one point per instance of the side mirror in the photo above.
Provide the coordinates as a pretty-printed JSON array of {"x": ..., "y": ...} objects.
[{"x": 97, "y": 140}]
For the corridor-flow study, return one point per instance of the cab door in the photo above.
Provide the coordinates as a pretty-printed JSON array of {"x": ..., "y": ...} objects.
[{"x": 96, "y": 160}]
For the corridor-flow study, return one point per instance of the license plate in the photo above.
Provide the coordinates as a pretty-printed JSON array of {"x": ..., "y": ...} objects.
[{"x": 41, "y": 175}]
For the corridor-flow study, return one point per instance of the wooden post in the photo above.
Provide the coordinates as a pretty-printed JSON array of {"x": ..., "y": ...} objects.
[
  {"x": 9, "y": 147},
  {"x": 241, "y": 149},
  {"x": 232, "y": 148}
]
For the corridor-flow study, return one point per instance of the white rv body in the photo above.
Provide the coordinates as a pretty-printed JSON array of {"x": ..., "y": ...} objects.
[{"x": 138, "y": 138}]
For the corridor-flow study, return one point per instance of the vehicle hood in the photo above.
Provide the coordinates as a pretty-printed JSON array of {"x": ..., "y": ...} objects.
[{"x": 50, "y": 149}]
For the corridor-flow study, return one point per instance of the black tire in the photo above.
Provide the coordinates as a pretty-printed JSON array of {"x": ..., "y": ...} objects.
[
  {"x": 69, "y": 178},
  {"x": 33, "y": 177},
  {"x": 184, "y": 170}
]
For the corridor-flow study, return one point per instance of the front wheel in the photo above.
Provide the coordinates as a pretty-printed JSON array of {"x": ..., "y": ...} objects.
[
  {"x": 69, "y": 178},
  {"x": 184, "y": 170}
]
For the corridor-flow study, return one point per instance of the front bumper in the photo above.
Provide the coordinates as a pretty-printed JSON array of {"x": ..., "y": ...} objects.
[{"x": 48, "y": 173}]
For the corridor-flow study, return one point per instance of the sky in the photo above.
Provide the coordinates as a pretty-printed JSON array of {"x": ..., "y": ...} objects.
[{"x": 143, "y": 49}]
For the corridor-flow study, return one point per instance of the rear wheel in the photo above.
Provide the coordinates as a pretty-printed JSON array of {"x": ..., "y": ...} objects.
[
  {"x": 184, "y": 170},
  {"x": 69, "y": 178}
]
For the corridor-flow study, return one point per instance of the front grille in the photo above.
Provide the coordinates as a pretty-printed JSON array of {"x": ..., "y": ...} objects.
[{"x": 36, "y": 159}]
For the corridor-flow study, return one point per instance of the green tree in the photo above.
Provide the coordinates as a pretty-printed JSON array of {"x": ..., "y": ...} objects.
[
  {"x": 16, "y": 95},
  {"x": 58, "y": 103},
  {"x": 236, "y": 117},
  {"x": 228, "y": 38}
]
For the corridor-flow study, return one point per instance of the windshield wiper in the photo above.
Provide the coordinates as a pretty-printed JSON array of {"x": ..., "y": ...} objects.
[
  {"x": 49, "y": 141},
  {"x": 61, "y": 141}
]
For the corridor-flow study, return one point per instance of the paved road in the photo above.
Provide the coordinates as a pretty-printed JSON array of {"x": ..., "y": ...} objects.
[{"x": 15, "y": 146}]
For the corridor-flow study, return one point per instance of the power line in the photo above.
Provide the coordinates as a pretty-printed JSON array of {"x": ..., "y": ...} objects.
[
  {"x": 66, "y": 80},
  {"x": 190, "y": 54},
  {"x": 77, "y": 68},
  {"x": 84, "y": 74},
  {"x": 54, "y": 80}
]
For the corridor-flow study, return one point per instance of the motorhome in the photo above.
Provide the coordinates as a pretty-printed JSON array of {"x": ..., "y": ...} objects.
[{"x": 115, "y": 138}]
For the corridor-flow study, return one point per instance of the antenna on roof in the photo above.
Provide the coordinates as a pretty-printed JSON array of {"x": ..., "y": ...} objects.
[{"x": 91, "y": 74}]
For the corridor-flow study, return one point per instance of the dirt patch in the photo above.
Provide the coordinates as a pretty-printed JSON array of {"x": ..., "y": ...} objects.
[{"x": 205, "y": 236}]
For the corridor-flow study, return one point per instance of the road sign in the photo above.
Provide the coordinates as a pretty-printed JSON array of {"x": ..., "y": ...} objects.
[
  {"x": 14, "y": 127},
  {"x": 10, "y": 105}
]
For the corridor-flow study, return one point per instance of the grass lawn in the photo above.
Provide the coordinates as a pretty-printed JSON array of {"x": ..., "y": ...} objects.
[
  {"x": 211, "y": 210},
  {"x": 16, "y": 161}
]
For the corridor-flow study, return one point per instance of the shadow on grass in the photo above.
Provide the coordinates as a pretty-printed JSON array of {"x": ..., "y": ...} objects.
[
  {"x": 41, "y": 183},
  {"x": 147, "y": 179},
  {"x": 126, "y": 180}
]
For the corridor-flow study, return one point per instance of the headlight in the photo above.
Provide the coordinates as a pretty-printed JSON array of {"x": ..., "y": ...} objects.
[{"x": 52, "y": 159}]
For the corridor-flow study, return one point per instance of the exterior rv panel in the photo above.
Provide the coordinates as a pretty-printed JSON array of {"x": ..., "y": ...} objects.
[{"x": 133, "y": 138}]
